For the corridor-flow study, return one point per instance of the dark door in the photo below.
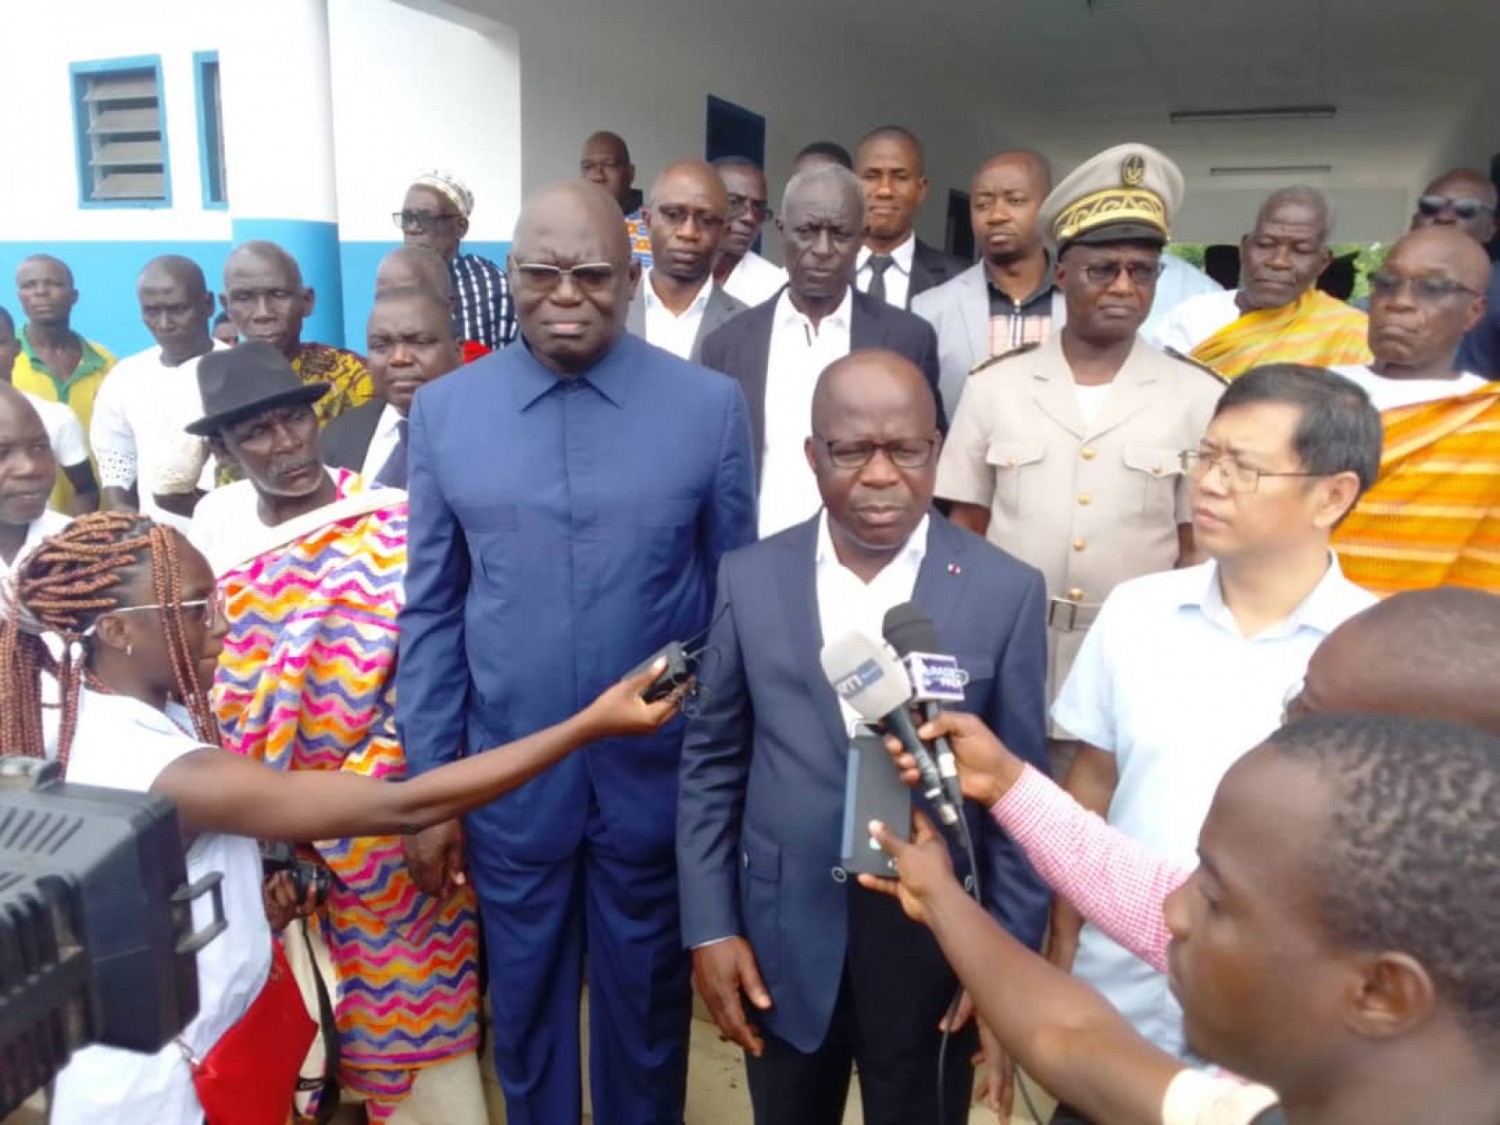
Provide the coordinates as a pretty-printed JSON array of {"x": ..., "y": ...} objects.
[
  {"x": 959, "y": 238},
  {"x": 734, "y": 130}
]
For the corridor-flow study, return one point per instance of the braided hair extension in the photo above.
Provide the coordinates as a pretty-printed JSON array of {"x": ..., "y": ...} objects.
[{"x": 64, "y": 587}]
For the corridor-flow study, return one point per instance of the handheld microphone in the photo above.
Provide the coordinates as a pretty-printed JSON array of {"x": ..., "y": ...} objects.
[
  {"x": 935, "y": 678},
  {"x": 866, "y": 678}
]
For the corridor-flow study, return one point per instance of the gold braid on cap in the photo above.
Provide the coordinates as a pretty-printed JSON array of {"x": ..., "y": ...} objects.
[{"x": 1112, "y": 205}]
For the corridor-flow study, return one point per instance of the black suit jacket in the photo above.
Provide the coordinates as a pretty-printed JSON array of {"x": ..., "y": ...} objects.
[
  {"x": 930, "y": 267},
  {"x": 346, "y": 439},
  {"x": 741, "y": 349}
]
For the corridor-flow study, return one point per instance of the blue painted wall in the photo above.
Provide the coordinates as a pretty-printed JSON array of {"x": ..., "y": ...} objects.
[{"x": 343, "y": 273}]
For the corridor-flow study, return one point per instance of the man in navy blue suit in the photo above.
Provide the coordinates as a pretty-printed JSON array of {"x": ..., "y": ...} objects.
[
  {"x": 837, "y": 975},
  {"x": 570, "y": 501}
]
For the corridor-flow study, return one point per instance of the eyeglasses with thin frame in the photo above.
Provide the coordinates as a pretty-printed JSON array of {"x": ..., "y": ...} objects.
[
  {"x": 421, "y": 222},
  {"x": 759, "y": 209},
  {"x": 674, "y": 216},
  {"x": 907, "y": 453},
  {"x": 544, "y": 277},
  {"x": 1236, "y": 477},
  {"x": 1104, "y": 273},
  {"x": 1464, "y": 207},
  {"x": 212, "y": 607},
  {"x": 1427, "y": 290}
]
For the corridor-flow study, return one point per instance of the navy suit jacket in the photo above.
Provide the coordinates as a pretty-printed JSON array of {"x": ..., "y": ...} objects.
[
  {"x": 742, "y": 350},
  {"x": 561, "y": 531},
  {"x": 760, "y": 814}
]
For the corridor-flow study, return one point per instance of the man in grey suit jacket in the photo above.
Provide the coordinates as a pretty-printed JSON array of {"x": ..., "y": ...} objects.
[
  {"x": 1007, "y": 298},
  {"x": 835, "y": 973},
  {"x": 676, "y": 305}
]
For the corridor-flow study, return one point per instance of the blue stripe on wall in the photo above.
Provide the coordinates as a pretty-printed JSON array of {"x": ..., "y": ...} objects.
[{"x": 105, "y": 274}]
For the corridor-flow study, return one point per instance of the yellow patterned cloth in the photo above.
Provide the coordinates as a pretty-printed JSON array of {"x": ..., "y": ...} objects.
[
  {"x": 1315, "y": 329},
  {"x": 307, "y": 682},
  {"x": 1433, "y": 517}
]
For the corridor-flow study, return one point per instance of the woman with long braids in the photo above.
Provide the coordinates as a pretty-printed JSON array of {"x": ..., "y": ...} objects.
[{"x": 135, "y": 609}]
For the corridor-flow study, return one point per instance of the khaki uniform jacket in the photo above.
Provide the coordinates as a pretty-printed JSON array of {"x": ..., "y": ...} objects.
[{"x": 1088, "y": 505}]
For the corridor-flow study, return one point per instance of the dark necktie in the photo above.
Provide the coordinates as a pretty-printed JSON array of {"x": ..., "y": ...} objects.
[
  {"x": 879, "y": 263},
  {"x": 393, "y": 473}
]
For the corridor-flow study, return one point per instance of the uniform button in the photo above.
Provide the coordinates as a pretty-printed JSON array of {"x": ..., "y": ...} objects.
[
  {"x": 1008, "y": 463},
  {"x": 1079, "y": 544},
  {"x": 1075, "y": 594},
  {"x": 1089, "y": 453},
  {"x": 1156, "y": 470},
  {"x": 1085, "y": 499}
]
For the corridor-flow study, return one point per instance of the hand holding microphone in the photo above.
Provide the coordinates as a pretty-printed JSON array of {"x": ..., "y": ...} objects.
[{"x": 986, "y": 767}]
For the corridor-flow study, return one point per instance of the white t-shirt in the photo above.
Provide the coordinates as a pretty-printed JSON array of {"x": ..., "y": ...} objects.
[
  {"x": 1091, "y": 399},
  {"x": 1166, "y": 682},
  {"x": 138, "y": 430},
  {"x": 48, "y": 523},
  {"x": 754, "y": 280},
  {"x": 1179, "y": 281},
  {"x": 123, "y": 743},
  {"x": 1194, "y": 320},
  {"x": 1387, "y": 394},
  {"x": 64, "y": 431},
  {"x": 226, "y": 524}
]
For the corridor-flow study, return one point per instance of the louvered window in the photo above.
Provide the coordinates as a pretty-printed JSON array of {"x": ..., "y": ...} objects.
[{"x": 121, "y": 144}]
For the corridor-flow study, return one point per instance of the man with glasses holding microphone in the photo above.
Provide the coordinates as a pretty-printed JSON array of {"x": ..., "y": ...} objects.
[
  {"x": 435, "y": 214},
  {"x": 570, "y": 502}
]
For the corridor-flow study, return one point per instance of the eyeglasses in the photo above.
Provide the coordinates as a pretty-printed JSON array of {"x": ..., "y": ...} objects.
[
  {"x": 674, "y": 216},
  {"x": 212, "y": 607},
  {"x": 421, "y": 222},
  {"x": 1236, "y": 477},
  {"x": 908, "y": 453},
  {"x": 1428, "y": 290},
  {"x": 759, "y": 209},
  {"x": 607, "y": 164},
  {"x": 1463, "y": 207},
  {"x": 543, "y": 277},
  {"x": 1104, "y": 273}
]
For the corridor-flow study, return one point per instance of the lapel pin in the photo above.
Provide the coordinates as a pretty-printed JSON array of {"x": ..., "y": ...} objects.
[{"x": 954, "y": 568}]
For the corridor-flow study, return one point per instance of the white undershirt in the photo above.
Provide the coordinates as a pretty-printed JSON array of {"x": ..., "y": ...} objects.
[
  {"x": 1387, "y": 394},
  {"x": 897, "y": 274},
  {"x": 1091, "y": 401},
  {"x": 798, "y": 354},
  {"x": 672, "y": 331},
  {"x": 382, "y": 442}
]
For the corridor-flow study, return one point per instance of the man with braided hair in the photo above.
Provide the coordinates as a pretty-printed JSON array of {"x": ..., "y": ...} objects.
[
  {"x": 311, "y": 563},
  {"x": 132, "y": 609}
]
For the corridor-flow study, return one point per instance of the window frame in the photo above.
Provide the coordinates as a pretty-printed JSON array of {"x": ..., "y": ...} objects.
[
  {"x": 80, "y": 76},
  {"x": 213, "y": 169}
]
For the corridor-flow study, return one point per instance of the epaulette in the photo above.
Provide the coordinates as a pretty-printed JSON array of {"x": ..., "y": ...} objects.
[
  {"x": 1022, "y": 350},
  {"x": 1191, "y": 362}
]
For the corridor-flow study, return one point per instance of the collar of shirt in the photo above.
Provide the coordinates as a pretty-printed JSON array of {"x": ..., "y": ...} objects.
[
  {"x": 386, "y": 425},
  {"x": 91, "y": 357},
  {"x": 999, "y": 298},
  {"x": 788, "y": 315},
  {"x": 912, "y": 552},
  {"x": 608, "y": 378},
  {"x": 1330, "y": 603},
  {"x": 698, "y": 303},
  {"x": 902, "y": 255}
]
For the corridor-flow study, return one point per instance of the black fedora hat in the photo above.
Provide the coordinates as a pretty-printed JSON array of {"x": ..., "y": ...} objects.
[{"x": 247, "y": 379}]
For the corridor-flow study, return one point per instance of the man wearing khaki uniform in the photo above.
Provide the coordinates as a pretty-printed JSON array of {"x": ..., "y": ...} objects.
[{"x": 1066, "y": 454}]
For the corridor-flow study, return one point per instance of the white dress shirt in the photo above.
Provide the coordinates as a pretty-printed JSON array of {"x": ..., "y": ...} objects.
[
  {"x": 137, "y": 430},
  {"x": 754, "y": 281},
  {"x": 897, "y": 274},
  {"x": 64, "y": 431},
  {"x": 669, "y": 330},
  {"x": 1179, "y": 281},
  {"x": 1388, "y": 394},
  {"x": 847, "y": 604},
  {"x": 382, "y": 442},
  {"x": 798, "y": 354},
  {"x": 1166, "y": 682},
  {"x": 48, "y": 523}
]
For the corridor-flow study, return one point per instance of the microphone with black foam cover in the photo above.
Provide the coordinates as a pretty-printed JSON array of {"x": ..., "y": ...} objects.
[
  {"x": 935, "y": 678},
  {"x": 866, "y": 677}
]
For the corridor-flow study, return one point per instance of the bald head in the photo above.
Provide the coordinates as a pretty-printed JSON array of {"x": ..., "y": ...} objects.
[
  {"x": 265, "y": 297},
  {"x": 869, "y": 376},
  {"x": 1426, "y": 296},
  {"x": 414, "y": 267},
  {"x": 686, "y": 218},
  {"x": 48, "y": 263},
  {"x": 571, "y": 322},
  {"x": 1462, "y": 198},
  {"x": 1034, "y": 165},
  {"x": 176, "y": 307},
  {"x": 606, "y": 162},
  {"x": 171, "y": 269},
  {"x": 1423, "y": 654}
]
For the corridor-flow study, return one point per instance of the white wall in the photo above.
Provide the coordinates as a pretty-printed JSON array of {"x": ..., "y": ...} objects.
[
  {"x": 412, "y": 92},
  {"x": 39, "y": 194}
]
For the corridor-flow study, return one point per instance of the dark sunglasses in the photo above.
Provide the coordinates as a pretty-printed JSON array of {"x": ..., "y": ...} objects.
[{"x": 1463, "y": 207}]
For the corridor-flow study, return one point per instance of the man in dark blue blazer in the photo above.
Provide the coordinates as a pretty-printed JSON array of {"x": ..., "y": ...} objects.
[
  {"x": 837, "y": 975},
  {"x": 776, "y": 350},
  {"x": 571, "y": 497}
]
